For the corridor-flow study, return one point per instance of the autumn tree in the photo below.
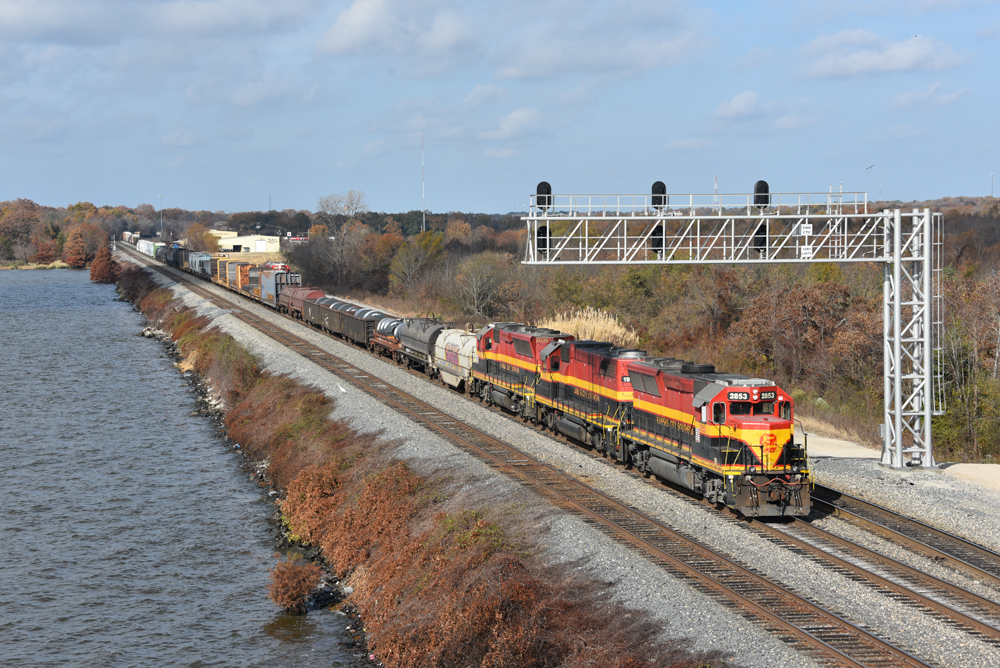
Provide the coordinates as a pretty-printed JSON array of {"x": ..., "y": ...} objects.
[
  {"x": 104, "y": 269},
  {"x": 17, "y": 219},
  {"x": 47, "y": 252},
  {"x": 414, "y": 258},
  {"x": 199, "y": 238},
  {"x": 75, "y": 251},
  {"x": 319, "y": 231},
  {"x": 457, "y": 234}
]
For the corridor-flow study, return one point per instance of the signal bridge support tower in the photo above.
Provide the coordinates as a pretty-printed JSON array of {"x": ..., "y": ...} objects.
[{"x": 779, "y": 228}]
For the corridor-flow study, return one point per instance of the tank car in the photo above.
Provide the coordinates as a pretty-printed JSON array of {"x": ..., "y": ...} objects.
[
  {"x": 417, "y": 337},
  {"x": 454, "y": 357}
]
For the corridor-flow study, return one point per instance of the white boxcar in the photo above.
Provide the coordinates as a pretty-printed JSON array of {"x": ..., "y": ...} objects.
[
  {"x": 454, "y": 355},
  {"x": 147, "y": 247}
]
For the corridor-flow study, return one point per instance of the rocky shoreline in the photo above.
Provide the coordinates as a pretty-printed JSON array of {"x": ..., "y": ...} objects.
[{"x": 331, "y": 592}]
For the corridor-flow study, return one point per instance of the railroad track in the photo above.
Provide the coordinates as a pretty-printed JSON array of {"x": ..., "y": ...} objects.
[
  {"x": 945, "y": 548},
  {"x": 804, "y": 625}
]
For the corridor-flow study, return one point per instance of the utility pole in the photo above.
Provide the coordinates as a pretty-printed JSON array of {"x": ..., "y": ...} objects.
[
  {"x": 991, "y": 184},
  {"x": 161, "y": 217},
  {"x": 423, "y": 190}
]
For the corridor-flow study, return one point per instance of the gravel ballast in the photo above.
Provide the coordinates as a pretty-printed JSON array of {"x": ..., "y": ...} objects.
[{"x": 684, "y": 611}]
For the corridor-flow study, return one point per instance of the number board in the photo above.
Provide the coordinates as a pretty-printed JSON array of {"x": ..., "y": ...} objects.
[
  {"x": 739, "y": 396},
  {"x": 770, "y": 395}
]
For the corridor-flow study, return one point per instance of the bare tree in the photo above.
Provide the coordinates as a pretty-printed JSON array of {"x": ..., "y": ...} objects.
[
  {"x": 22, "y": 251},
  {"x": 350, "y": 204},
  {"x": 485, "y": 283}
]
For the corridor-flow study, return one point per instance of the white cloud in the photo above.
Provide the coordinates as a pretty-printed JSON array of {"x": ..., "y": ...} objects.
[
  {"x": 376, "y": 147},
  {"x": 513, "y": 124},
  {"x": 741, "y": 106},
  {"x": 929, "y": 96},
  {"x": 485, "y": 93},
  {"x": 365, "y": 24},
  {"x": 181, "y": 137},
  {"x": 560, "y": 53},
  {"x": 520, "y": 40},
  {"x": 110, "y": 21},
  {"x": 448, "y": 32},
  {"x": 860, "y": 52}
]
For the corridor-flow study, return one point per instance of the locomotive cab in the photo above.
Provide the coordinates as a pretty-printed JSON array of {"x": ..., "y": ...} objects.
[{"x": 766, "y": 472}]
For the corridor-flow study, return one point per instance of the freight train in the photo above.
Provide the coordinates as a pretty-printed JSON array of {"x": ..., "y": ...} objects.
[{"x": 727, "y": 437}]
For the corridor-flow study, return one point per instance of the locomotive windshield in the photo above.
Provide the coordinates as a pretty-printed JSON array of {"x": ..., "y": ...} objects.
[{"x": 747, "y": 408}]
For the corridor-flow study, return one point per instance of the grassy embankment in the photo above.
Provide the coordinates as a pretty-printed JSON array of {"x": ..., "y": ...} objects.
[{"x": 440, "y": 579}]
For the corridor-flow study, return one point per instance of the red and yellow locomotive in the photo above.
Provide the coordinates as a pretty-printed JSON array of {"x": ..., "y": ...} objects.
[{"x": 725, "y": 436}]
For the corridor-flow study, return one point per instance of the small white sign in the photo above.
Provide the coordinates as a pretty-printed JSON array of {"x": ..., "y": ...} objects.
[
  {"x": 806, "y": 252},
  {"x": 806, "y": 229}
]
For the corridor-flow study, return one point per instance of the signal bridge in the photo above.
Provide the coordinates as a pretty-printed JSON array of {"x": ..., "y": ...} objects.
[{"x": 772, "y": 228}]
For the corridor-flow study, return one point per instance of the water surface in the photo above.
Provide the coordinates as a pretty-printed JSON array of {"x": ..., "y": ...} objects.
[{"x": 131, "y": 535}]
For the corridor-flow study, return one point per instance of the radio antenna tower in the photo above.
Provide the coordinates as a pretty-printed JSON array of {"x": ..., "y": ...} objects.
[
  {"x": 423, "y": 190},
  {"x": 715, "y": 200}
]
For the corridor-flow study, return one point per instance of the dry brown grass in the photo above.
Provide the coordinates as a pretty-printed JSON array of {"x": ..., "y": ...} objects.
[{"x": 590, "y": 324}]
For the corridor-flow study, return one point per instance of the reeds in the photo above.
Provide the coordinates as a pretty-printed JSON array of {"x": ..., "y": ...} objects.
[{"x": 591, "y": 324}]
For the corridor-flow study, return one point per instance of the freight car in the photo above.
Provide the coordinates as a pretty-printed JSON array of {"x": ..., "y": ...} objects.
[
  {"x": 417, "y": 337},
  {"x": 384, "y": 341},
  {"x": 454, "y": 352},
  {"x": 291, "y": 300},
  {"x": 360, "y": 325}
]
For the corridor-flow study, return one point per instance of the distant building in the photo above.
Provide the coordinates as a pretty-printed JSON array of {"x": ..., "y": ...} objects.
[{"x": 253, "y": 243}]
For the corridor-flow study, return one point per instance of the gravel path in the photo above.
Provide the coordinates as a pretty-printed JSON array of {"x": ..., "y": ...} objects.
[{"x": 684, "y": 612}]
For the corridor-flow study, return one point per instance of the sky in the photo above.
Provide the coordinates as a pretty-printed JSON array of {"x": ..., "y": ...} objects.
[{"x": 238, "y": 105}]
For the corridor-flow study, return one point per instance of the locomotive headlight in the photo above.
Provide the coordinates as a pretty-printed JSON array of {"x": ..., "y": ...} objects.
[
  {"x": 752, "y": 469},
  {"x": 795, "y": 468}
]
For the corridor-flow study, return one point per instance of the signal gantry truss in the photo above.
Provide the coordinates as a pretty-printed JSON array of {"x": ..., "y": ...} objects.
[{"x": 772, "y": 228}]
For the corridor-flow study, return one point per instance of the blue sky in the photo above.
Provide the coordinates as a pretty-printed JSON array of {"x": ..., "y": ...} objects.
[{"x": 217, "y": 104}]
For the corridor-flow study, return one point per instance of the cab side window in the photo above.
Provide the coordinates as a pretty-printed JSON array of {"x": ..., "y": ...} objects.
[
  {"x": 553, "y": 362},
  {"x": 719, "y": 413},
  {"x": 785, "y": 410}
]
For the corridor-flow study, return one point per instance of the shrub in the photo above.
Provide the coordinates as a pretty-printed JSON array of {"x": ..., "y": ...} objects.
[{"x": 291, "y": 583}]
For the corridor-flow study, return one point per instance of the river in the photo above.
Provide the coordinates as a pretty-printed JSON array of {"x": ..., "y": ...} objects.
[{"x": 131, "y": 535}]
